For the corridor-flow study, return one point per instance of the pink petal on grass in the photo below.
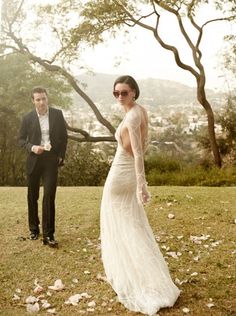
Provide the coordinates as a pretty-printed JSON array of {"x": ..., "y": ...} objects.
[{"x": 38, "y": 289}]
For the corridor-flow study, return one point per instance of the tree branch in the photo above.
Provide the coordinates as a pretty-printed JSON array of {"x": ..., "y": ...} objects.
[
  {"x": 16, "y": 14},
  {"x": 86, "y": 136},
  {"x": 55, "y": 68},
  {"x": 171, "y": 48},
  {"x": 231, "y": 18},
  {"x": 92, "y": 139}
]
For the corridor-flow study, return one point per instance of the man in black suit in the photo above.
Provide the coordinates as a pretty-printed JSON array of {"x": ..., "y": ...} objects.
[{"x": 43, "y": 134}]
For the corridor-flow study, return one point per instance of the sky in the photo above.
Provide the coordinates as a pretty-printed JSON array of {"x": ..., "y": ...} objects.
[{"x": 141, "y": 56}]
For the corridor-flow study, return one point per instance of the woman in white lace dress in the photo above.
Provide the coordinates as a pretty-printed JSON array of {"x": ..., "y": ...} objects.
[{"x": 133, "y": 263}]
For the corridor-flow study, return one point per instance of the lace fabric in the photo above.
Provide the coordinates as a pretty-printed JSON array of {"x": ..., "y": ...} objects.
[
  {"x": 132, "y": 260},
  {"x": 139, "y": 143}
]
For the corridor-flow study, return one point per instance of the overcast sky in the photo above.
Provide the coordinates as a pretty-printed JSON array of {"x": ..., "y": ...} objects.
[{"x": 141, "y": 56}]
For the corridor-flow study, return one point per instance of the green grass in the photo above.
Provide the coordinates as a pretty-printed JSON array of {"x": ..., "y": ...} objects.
[{"x": 199, "y": 211}]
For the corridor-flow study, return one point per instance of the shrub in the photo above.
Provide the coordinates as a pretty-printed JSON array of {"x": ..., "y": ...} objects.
[
  {"x": 83, "y": 166},
  {"x": 167, "y": 171}
]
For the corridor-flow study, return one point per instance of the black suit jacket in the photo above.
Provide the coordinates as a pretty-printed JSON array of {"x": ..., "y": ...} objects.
[{"x": 30, "y": 134}]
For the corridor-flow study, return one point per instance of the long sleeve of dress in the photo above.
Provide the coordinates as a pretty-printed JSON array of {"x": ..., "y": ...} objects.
[{"x": 134, "y": 127}]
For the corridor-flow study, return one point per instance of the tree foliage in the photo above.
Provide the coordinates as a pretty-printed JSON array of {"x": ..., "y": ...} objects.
[
  {"x": 227, "y": 120},
  {"x": 17, "y": 77},
  {"x": 57, "y": 58},
  {"x": 114, "y": 14},
  {"x": 74, "y": 24}
]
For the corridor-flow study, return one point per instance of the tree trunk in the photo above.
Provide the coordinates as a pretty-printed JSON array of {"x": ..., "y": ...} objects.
[{"x": 211, "y": 123}]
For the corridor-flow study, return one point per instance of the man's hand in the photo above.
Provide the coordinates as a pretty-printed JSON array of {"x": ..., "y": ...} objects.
[
  {"x": 38, "y": 150},
  {"x": 60, "y": 162}
]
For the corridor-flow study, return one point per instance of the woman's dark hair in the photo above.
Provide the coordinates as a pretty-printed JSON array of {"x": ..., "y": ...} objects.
[{"x": 129, "y": 81}]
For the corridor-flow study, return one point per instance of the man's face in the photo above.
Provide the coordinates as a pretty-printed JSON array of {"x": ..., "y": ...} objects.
[{"x": 40, "y": 100}]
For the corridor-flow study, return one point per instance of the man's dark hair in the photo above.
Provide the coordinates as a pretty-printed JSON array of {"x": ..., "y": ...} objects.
[{"x": 38, "y": 90}]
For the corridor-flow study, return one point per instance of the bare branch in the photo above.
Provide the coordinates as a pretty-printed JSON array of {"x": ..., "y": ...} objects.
[
  {"x": 233, "y": 17},
  {"x": 55, "y": 68},
  {"x": 171, "y": 48},
  {"x": 92, "y": 139},
  {"x": 76, "y": 130},
  {"x": 16, "y": 14},
  {"x": 86, "y": 137}
]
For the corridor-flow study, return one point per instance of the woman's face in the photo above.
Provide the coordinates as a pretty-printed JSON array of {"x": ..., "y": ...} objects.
[{"x": 124, "y": 94}]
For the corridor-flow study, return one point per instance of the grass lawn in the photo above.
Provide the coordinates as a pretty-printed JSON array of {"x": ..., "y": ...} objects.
[{"x": 199, "y": 244}]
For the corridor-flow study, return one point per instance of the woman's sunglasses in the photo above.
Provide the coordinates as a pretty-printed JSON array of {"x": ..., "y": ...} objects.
[{"x": 123, "y": 93}]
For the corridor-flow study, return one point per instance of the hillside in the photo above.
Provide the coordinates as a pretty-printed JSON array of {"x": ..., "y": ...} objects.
[{"x": 154, "y": 92}]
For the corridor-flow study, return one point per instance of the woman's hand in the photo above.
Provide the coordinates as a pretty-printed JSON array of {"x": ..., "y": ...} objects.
[{"x": 146, "y": 196}]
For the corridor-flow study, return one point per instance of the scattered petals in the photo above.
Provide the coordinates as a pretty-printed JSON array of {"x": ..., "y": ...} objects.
[
  {"x": 45, "y": 304},
  {"x": 92, "y": 304},
  {"x": 100, "y": 277},
  {"x": 86, "y": 272},
  {"x": 85, "y": 295},
  {"x": 74, "y": 299},
  {"x": 165, "y": 247},
  {"x": 16, "y": 297},
  {"x": 31, "y": 300},
  {"x": 196, "y": 258},
  {"x": 36, "y": 282},
  {"x": 32, "y": 308},
  {"x": 51, "y": 310},
  {"x": 58, "y": 285},
  {"x": 199, "y": 239},
  {"x": 189, "y": 197},
  {"x": 210, "y": 305},
  {"x": 38, "y": 289},
  {"x": 177, "y": 281},
  {"x": 174, "y": 254},
  {"x": 75, "y": 281},
  {"x": 186, "y": 310}
]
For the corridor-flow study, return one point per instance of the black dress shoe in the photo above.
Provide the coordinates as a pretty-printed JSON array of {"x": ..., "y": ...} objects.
[
  {"x": 34, "y": 236},
  {"x": 50, "y": 241}
]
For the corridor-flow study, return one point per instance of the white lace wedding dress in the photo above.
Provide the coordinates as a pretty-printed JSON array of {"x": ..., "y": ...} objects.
[{"x": 133, "y": 263}]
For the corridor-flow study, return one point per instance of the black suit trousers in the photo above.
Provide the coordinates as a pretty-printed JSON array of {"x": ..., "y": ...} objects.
[{"x": 45, "y": 170}]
